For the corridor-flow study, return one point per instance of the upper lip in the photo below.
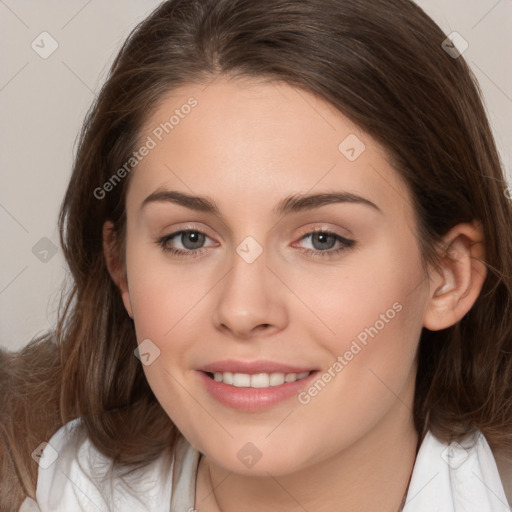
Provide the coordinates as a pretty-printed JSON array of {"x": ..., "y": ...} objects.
[{"x": 252, "y": 367}]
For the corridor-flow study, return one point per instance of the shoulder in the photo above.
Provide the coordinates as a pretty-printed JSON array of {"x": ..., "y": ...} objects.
[
  {"x": 74, "y": 475},
  {"x": 463, "y": 473}
]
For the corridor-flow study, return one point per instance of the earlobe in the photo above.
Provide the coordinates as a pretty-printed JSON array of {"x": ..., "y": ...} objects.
[
  {"x": 114, "y": 264},
  {"x": 454, "y": 289}
]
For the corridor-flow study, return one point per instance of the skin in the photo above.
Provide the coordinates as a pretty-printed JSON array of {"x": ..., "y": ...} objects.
[{"x": 248, "y": 144}]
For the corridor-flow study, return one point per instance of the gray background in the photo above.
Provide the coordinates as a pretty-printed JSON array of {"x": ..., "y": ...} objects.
[{"x": 43, "y": 103}]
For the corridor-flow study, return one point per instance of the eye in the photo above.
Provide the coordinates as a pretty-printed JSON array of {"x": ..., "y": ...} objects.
[
  {"x": 323, "y": 241},
  {"x": 191, "y": 241}
]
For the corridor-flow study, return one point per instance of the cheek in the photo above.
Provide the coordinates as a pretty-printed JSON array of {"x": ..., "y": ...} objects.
[
  {"x": 165, "y": 307},
  {"x": 165, "y": 301},
  {"x": 373, "y": 308},
  {"x": 370, "y": 368},
  {"x": 161, "y": 293},
  {"x": 165, "y": 312},
  {"x": 161, "y": 303},
  {"x": 377, "y": 289}
]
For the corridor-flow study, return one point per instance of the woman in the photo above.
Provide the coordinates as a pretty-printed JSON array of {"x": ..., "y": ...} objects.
[{"x": 231, "y": 141}]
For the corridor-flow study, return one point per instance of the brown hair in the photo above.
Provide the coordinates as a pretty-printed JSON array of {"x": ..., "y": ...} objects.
[{"x": 381, "y": 64}]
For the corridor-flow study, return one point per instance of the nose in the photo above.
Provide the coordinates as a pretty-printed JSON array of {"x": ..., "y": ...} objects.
[{"x": 250, "y": 299}]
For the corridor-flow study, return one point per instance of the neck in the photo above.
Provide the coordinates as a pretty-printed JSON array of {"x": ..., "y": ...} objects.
[{"x": 372, "y": 474}]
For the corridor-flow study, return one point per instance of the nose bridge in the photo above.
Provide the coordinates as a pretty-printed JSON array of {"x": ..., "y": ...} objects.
[
  {"x": 247, "y": 281},
  {"x": 248, "y": 298}
]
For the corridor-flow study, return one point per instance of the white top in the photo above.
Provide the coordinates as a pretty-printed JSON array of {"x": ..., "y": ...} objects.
[{"x": 446, "y": 478}]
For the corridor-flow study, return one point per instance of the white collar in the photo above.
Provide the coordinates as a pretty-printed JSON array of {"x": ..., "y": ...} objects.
[{"x": 456, "y": 477}]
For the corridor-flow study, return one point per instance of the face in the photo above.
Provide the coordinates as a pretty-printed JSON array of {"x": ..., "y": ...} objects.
[{"x": 257, "y": 280}]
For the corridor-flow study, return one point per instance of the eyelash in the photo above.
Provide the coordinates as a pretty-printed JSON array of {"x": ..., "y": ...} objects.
[{"x": 192, "y": 253}]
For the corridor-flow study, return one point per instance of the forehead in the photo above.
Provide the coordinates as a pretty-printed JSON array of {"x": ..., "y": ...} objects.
[{"x": 245, "y": 140}]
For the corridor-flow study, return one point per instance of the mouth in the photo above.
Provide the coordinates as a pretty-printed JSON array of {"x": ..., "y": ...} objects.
[{"x": 255, "y": 392}]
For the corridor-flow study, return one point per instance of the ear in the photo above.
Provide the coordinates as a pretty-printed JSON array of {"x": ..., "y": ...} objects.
[
  {"x": 115, "y": 264},
  {"x": 454, "y": 289}
]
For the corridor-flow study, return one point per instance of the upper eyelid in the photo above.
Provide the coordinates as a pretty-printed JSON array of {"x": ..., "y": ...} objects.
[
  {"x": 305, "y": 231},
  {"x": 191, "y": 226},
  {"x": 187, "y": 229},
  {"x": 308, "y": 231}
]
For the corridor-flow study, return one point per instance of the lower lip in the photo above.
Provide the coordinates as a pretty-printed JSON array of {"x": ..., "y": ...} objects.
[{"x": 253, "y": 399}]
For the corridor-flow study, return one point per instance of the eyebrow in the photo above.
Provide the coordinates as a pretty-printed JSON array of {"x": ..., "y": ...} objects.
[{"x": 290, "y": 204}]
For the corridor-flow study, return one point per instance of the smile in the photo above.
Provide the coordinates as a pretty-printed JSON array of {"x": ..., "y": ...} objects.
[{"x": 254, "y": 392}]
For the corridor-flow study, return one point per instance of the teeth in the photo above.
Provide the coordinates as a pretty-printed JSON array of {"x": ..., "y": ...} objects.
[
  {"x": 258, "y": 380},
  {"x": 276, "y": 379},
  {"x": 241, "y": 380}
]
